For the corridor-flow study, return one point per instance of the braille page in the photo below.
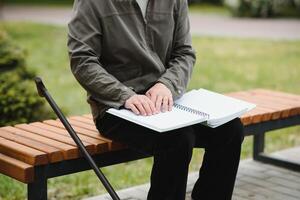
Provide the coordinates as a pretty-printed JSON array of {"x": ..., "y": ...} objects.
[{"x": 161, "y": 122}]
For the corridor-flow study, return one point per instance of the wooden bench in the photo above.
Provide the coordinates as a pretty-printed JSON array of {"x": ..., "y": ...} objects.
[{"x": 33, "y": 153}]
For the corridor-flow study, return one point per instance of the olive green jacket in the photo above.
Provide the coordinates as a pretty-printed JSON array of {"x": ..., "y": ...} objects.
[{"x": 115, "y": 52}]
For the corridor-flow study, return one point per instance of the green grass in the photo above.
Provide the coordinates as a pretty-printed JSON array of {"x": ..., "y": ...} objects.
[
  {"x": 205, "y": 8},
  {"x": 223, "y": 65}
]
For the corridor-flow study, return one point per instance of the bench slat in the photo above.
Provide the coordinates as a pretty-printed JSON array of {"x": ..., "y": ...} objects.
[
  {"x": 268, "y": 114},
  {"x": 284, "y": 110},
  {"x": 258, "y": 115},
  {"x": 54, "y": 154},
  {"x": 23, "y": 153},
  {"x": 282, "y": 100},
  {"x": 68, "y": 151},
  {"x": 83, "y": 119},
  {"x": 283, "y": 95},
  {"x": 74, "y": 123},
  {"x": 89, "y": 116},
  {"x": 112, "y": 145},
  {"x": 16, "y": 169},
  {"x": 51, "y": 135},
  {"x": 101, "y": 145},
  {"x": 78, "y": 129},
  {"x": 292, "y": 105},
  {"x": 246, "y": 119},
  {"x": 83, "y": 125}
]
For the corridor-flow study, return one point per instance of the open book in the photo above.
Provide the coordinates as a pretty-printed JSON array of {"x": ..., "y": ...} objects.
[{"x": 197, "y": 106}]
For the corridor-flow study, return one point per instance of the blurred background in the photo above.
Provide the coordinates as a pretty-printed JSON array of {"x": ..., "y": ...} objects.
[{"x": 240, "y": 45}]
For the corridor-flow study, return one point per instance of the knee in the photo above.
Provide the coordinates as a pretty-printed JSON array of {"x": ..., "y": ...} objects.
[
  {"x": 180, "y": 141},
  {"x": 186, "y": 140},
  {"x": 233, "y": 132},
  {"x": 237, "y": 130}
]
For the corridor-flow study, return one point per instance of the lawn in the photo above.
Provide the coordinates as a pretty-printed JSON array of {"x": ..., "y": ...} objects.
[
  {"x": 206, "y": 8},
  {"x": 223, "y": 65}
]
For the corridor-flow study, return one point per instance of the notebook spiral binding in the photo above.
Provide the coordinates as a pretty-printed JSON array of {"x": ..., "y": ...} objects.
[{"x": 191, "y": 110}]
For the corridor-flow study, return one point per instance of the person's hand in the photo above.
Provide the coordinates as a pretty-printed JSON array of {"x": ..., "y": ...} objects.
[
  {"x": 161, "y": 97},
  {"x": 140, "y": 105}
]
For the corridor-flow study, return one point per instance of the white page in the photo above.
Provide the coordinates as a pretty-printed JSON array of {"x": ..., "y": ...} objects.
[{"x": 220, "y": 108}]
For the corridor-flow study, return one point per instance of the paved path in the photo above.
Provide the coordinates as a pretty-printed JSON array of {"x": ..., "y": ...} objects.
[
  {"x": 255, "y": 181},
  {"x": 211, "y": 25}
]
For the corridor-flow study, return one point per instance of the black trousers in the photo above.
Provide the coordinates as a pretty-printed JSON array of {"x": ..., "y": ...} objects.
[{"x": 172, "y": 153}]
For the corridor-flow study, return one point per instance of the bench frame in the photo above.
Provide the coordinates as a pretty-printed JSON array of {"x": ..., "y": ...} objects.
[
  {"x": 38, "y": 189},
  {"x": 259, "y": 131}
]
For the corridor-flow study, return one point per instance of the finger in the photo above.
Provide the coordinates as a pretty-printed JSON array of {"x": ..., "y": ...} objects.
[
  {"x": 170, "y": 103},
  {"x": 152, "y": 107},
  {"x": 140, "y": 108},
  {"x": 153, "y": 98},
  {"x": 146, "y": 106},
  {"x": 134, "y": 109},
  {"x": 158, "y": 103},
  {"x": 165, "y": 104},
  {"x": 148, "y": 94}
]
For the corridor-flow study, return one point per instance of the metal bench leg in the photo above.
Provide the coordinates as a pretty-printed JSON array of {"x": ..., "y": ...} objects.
[
  {"x": 258, "y": 145},
  {"x": 38, "y": 189},
  {"x": 259, "y": 155}
]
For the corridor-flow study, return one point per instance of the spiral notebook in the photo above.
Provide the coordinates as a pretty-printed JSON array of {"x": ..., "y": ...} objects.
[{"x": 197, "y": 106}]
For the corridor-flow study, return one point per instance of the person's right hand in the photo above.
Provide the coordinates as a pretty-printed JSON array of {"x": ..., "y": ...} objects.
[{"x": 140, "y": 105}]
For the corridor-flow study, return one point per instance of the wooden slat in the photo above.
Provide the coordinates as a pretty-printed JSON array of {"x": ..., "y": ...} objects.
[
  {"x": 283, "y": 97},
  {"x": 112, "y": 145},
  {"x": 284, "y": 110},
  {"x": 278, "y": 104},
  {"x": 68, "y": 151},
  {"x": 51, "y": 135},
  {"x": 22, "y": 152},
  {"x": 101, "y": 145},
  {"x": 256, "y": 116},
  {"x": 270, "y": 102},
  {"x": 74, "y": 123},
  {"x": 246, "y": 119},
  {"x": 83, "y": 119},
  {"x": 293, "y": 105},
  {"x": 78, "y": 129},
  {"x": 89, "y": 116},
  {"x": 54, "y": 154},
  {"x": 293, "y": 102},
  {"x": 16, "y": 169},
  {"x": 278, "y": 94},
  {"x": 274, "y": 114},
  {"x": 83, "y": 125}
]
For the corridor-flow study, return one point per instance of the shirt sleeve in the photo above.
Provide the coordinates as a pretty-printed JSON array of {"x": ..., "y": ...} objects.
[
  {"x": 84, "y": 44},
  {"x": 179, "y": 68}
]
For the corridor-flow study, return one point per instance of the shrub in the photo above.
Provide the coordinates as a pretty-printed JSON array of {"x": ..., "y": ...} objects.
[
  {"x": 19, "y": 102},
  {"x": 263, "y": 8}
]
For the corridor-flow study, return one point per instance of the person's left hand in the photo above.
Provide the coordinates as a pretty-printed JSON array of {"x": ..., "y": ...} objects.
[{"x": 161, "y": 96}]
